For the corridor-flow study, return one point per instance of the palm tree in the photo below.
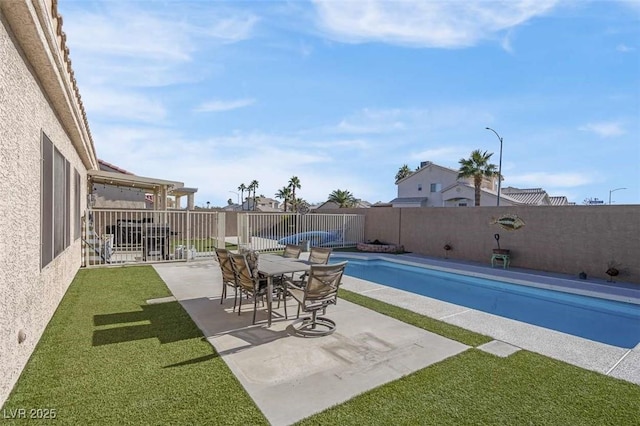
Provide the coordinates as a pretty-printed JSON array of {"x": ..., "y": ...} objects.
[
  {"x": 342, "y": 198},
  {"x": 254, "y": 185},
  {"x": 284, "y": 194},
  {"x": 242, "y": 188},
  {"x": 403, "y": 172},
  {"x": 294, "y": 183},
  {"x": 478, "y": 167}
]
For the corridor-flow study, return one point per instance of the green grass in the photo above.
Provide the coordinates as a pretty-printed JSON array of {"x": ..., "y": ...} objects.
[
  {"x": 442, "y": 328},
  {"x": 477, "y": 388},
  {"x": 107, "y": 357}
]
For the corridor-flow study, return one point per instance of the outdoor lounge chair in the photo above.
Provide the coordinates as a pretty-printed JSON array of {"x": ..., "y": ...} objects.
[
  {"x": 320, "y": 291},
  {"x": 249, "y": 283},
  {"x": 228, "y": 275}
]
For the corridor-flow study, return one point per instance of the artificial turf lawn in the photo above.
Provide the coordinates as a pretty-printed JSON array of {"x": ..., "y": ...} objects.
[
  {"x": 477, "y": 388},
  {"x": 107, "y": 357},
  {"x": 438, "y": 327}
]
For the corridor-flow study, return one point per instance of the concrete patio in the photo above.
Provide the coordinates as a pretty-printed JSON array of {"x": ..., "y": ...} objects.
[{"x": 367, "y": 350}]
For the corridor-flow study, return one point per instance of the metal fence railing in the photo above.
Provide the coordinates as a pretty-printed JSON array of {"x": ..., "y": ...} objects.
[
  {"x": 272, "y": 231},
  {"x": 113, "y": 236}
]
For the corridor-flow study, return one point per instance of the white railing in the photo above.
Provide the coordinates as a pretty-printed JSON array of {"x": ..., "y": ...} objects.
[
  {"x": 272, "y": 231},
  {"x": 115, "y": 236}
]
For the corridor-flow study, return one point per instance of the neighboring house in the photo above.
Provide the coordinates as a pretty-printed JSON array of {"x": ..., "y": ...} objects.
[
  {"x": 433, "y": 185},
  {"x": 533, "y": 197},
  {"x": 116, "y": 188},
  {"x": 46, "y": 152},
  {"x": 328, "y": 205},
  {"x": 262, "y": 204}
]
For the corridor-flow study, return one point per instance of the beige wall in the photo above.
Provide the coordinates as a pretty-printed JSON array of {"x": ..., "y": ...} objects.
[
  {"x": 28, "y": 296},
  {"x": 564, "y": 239}
]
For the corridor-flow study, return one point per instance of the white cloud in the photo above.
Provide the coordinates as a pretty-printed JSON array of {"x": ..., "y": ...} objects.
[
  {"x": 438, "y": 24},
  {"x": 129, "y": 45},
  {"x": 272, "y": 160},
  {"x": 550, "y": 179},
  {"x": 219, "y": 105},
  {"x": 357, "y": 144},
  {"x": 233, "y": 29},
  {"x": 624, "y": 48},
  {"x": 411, "y": 121},
  {"x": 442, "y": 156},
  {"x": 604, "y": 129},
  {"x": 131, "y": 33},
  {"x": 128, "y": 106}
]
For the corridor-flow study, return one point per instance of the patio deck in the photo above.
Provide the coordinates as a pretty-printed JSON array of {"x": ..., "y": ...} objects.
[{"x": 367, "y": 350}]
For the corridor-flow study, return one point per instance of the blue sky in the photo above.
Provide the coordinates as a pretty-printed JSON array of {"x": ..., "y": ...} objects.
[{"x": 341, "y": 94}]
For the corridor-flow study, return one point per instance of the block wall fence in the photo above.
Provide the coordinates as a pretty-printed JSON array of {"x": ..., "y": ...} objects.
[{"x": 563, "y": 239}]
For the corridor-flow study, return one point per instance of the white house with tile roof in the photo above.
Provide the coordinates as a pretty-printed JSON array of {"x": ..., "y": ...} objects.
[{"x": 433, "y": 185}]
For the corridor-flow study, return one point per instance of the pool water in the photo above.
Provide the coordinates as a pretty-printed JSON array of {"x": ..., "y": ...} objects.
[{"x": 611, "y": 322}]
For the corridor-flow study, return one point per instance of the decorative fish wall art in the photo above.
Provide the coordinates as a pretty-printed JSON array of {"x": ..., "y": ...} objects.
[{"x": 510, "y": 222}]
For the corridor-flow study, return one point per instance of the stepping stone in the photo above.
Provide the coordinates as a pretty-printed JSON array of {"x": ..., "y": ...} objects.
[
  {"x": 161, "y": 300},
  {"x": 499, "y": 348}
]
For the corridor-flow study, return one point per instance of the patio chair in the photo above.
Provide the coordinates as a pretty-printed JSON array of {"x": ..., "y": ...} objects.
[
  {"x": 228, "y": 275},
  {"x": 292, "y": 251},
  {"x": 249, "y": 282},
  {"x": 317, "y": 256},
  {"x": 320, "y": 291}
]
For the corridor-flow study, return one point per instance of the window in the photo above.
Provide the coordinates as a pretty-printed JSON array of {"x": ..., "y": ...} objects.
[
  {"x": 462, "y": 204},
  {"x": 55, "y": 210},
  {"x": 46, "y": 203},
  {"x": 436, "y": 187},
  {"x": 77, "y": 226},
  {"x": 419, "y": 187}
]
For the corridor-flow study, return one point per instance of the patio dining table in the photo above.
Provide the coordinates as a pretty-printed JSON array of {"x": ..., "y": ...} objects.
[{"x": 271, "y": 265}]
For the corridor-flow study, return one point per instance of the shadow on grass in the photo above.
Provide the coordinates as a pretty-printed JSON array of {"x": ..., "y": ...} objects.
[
  {"x": 193, "y": 361},
  {"x": 167, "y": 322}
]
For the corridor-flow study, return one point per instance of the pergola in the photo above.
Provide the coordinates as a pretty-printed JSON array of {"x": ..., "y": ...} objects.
[{"x": 160, "y": 188}]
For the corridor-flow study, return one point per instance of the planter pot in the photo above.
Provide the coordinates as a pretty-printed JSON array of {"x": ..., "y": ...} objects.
[{"x": 501, "y": 251}]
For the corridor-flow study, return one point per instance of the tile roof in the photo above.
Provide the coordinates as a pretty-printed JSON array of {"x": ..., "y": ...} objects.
[
  {"x": 112, "y": 166},
  {"x": 408, "y": 200}
]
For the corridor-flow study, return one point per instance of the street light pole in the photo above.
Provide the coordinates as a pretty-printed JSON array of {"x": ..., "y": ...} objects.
[
  {"x": 237, "y": 195},
  {"x": 613, "y": 190},
  {"x": 499, "y": 165}
]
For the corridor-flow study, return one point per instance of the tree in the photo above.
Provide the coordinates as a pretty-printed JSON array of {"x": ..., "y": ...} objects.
[
  {"x": 253, "y": 186},
  {"x": 342, "y": 198},
  {"x": 294, "y": 183},
  {"x": 296, "y": 204},
  {"x": 284, "y": 194},
  {"x": 403, "y": 172},
  {"x": 242, "y": 188},
  {"x": 477, "y": 166}
]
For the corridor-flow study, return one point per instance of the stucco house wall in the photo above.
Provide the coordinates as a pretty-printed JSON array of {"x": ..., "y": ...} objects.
[{"x": 37, "y": 96}]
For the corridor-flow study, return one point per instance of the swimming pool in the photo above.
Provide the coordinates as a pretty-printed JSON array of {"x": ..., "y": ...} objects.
[{"x": 607, "y": 321}]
